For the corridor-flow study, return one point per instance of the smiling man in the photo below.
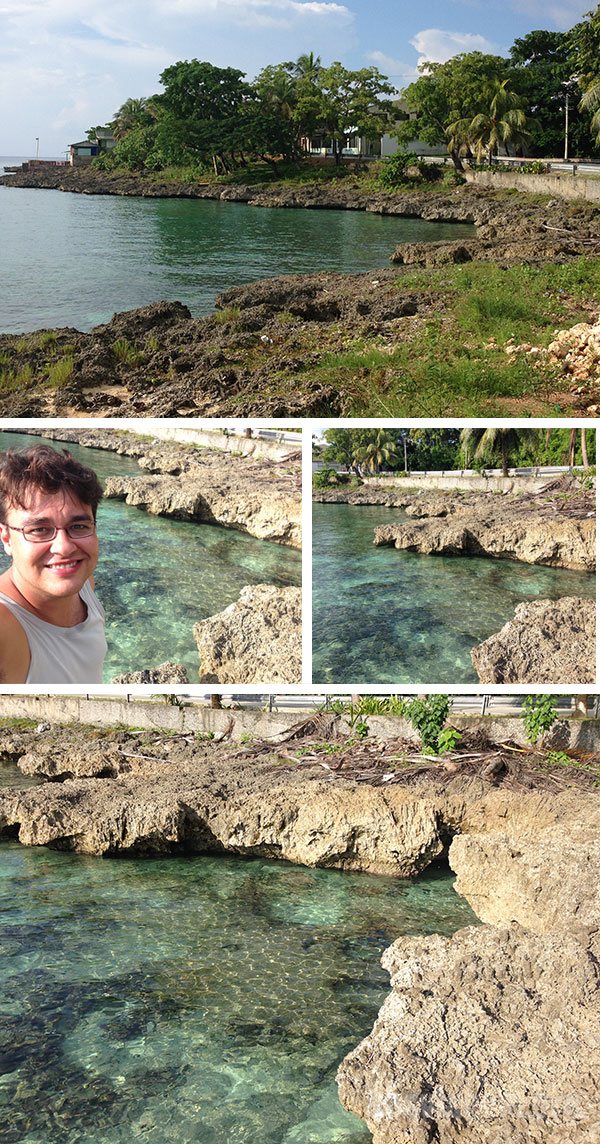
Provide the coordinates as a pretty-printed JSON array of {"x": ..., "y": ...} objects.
[{"x": 51, "y": 622}]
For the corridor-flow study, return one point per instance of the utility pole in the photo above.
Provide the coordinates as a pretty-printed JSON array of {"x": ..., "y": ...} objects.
[{"x": 569, "y": 86}]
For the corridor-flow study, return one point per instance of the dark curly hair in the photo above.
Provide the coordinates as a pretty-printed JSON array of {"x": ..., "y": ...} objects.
[{"x": 50, "y": 471}]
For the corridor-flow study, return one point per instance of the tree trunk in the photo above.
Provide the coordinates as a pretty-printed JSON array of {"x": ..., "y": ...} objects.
[
  {"x": 584, "y": 452},
  {"x": 572, "y": 446},
  {"x": 456, "y": 159}
]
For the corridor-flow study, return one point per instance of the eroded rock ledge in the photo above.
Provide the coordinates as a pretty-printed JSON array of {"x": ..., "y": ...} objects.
[
  {"x": 258, "y": 639},
  {"x": 555, "y": 527},
  {"x": 547, "y": 641},
  {"x": 251, "y": 494},
  {"x": 489, "y": 1035}
]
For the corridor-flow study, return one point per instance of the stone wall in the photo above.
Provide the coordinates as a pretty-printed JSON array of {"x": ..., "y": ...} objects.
[
  {"x": 474, "y": 483},
  {"x": 240, "y": 723},
  {"x": 228, "y": 442},
  {"x": 561, "y": 184}
]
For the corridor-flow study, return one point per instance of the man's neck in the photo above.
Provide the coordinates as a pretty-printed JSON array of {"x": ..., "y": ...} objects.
[{"x": 64, "y": 612}]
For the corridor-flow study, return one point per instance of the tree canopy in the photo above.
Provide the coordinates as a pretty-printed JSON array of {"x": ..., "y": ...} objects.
[
  {"x": 417, "y": 450},
  {"x": 474, "y": 104}
]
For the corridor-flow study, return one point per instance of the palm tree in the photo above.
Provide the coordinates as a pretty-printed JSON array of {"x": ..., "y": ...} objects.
[
  {"x": 496, "y": 443},
  {"x": 308, "y": 66},
  {"x": 504, "y": 123},
  {"x": 572, "y": 454},
  {"x": 381, "y": 450},
  {"x": 132, "y": 113},
  {"x": 459, "y": 141},
  {"x": 590, "y": 101}
]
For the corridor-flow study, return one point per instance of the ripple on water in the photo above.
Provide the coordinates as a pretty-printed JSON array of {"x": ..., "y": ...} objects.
[
  {"x": 385, "y": 616},
  {"x": 184, "y": 1000},
  {"x": 174, "y": 249}
]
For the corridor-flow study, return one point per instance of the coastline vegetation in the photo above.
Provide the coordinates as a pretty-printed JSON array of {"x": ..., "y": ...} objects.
[
  {"x": 466, "y": 352},
  {"x": 400, "y": 451},
  {"x": 456, "y": 361},
  {"x": 210, "y": 122}
]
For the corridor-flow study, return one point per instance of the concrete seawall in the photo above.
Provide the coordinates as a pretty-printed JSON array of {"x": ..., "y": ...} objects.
[
  {"x": 474, "y": 483},
  {"x": 561, "y": 184},
  {"x": 238, "y": 724}
]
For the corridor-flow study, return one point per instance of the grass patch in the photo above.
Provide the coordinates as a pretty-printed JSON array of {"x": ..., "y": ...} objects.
[
  {"x": 127, "y": 353},
  {"x": 454, "y": 362},
  {"x": 59, "y": 372},
  {"x": 10, "y": 380},
  {"x": 228, "y": 314},
  {"x": 46, "y": 338},
  {"x": 23, "y": 345},
  {"x": 18, "y": 723}
]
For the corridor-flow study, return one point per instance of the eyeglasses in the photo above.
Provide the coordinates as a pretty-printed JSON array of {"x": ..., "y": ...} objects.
[{"x": 43, "y": 533}]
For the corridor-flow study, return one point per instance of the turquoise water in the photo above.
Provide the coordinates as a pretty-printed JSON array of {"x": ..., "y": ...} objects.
[
  {"x": 157, "y": 577},
  {"x": 74, "y": 260},
  {"x": 206, "y": 1000},
  {"x": 384, "y": 616}
]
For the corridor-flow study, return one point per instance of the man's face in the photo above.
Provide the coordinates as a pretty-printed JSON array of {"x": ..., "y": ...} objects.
[{"x": 54, "y": 568}]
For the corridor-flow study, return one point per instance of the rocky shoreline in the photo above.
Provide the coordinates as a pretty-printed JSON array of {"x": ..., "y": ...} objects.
[
  {"x": 249, "y": 494},
  {"x": 264, "y": 352},
  {"x": 489, "y": 1034},
  {"x": 555, "y": 527},
  {"x": 547, "y": 641}
]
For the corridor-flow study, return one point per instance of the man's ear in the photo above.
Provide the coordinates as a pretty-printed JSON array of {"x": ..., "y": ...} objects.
[{"x": 5, "y": 538}]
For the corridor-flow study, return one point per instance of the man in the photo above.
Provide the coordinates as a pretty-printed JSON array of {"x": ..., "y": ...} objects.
[{"x": 51, "y": 622}]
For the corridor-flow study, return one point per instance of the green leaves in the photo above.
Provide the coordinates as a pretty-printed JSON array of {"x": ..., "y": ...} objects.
[
  {"x": 539, "y": 715},
  {"x": 428, "y": 716}
]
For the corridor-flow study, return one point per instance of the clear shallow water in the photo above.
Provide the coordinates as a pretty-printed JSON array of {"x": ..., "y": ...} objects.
[
  {"x": 11, "y": 778},
  {"x": 74, "y": 260},
  {"x": 206, "y": 1000},
  {"x": 157, "y": 577},
  {"x": 384, "y": 616}
]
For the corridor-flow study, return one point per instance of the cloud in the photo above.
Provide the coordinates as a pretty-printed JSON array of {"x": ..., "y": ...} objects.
[
  {"x": 562, "y": 15},
  {"x": 438, "y": 46},
  {"x": 401, "y": 73},
  {"x": 276, "y": 13},
  {"x": 68, "y": 64}
]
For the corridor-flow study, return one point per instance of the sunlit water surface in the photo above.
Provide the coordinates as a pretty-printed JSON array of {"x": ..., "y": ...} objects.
[
  {"x": 385, "y": 616},
  {"x": 74, "y": 260},
  {"x": 207, "y": 1000},
  {"x": 157, "y": 577}
]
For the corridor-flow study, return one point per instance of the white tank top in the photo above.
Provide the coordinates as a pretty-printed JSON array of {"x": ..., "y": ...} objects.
[{"x": 64, "y": 655}]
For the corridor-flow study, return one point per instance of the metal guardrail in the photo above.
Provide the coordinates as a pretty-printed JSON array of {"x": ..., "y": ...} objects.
[
  {"x": 465, "y": 704},
  {"x": 472, "y": 704}
]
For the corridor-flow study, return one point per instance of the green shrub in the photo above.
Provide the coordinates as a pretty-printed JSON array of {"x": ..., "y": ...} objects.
[
  {"x": 428, "y": 716},
  {"x": 539, "y": 715},
  {"x": 228, "y": 314},
  {"x": 324, "y": 478},
  {"x": 393, "y": 170},
  {"x": 126, "y": 352},
  {"x": 60, "y": 371},
  {"x": 429, "y": 172}
]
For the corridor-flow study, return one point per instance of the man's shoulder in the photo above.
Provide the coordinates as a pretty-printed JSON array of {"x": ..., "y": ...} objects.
[{"x": 14, "y": 648}]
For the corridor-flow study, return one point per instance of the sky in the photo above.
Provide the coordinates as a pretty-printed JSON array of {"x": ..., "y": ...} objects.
[{"x": 67, "y": 65}]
